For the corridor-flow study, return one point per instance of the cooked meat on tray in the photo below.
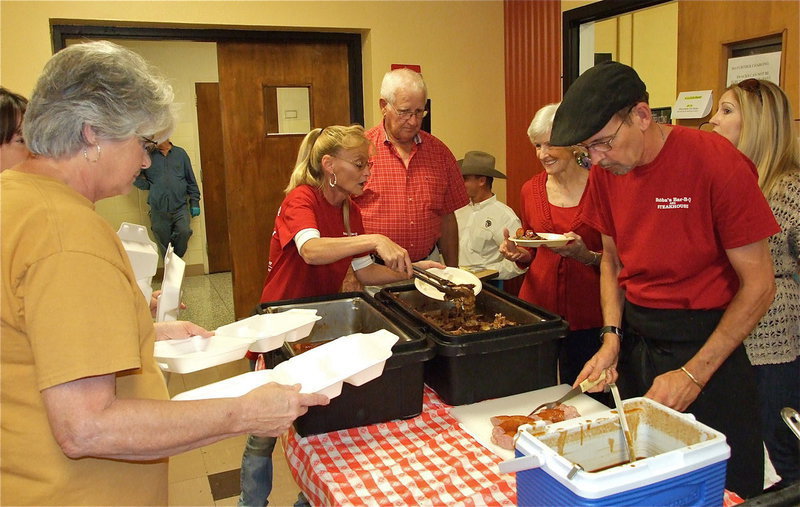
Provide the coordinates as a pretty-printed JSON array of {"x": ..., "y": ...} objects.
[
  {"x": 504, "y": 427},
  {"x": 462, "y": 317},
  {"x": 529, "y": 234}
]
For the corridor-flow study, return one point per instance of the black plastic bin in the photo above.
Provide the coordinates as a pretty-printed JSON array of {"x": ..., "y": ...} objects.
[
  {"x": 396, "y": 394},
  {"x": 488, "y": 364}
]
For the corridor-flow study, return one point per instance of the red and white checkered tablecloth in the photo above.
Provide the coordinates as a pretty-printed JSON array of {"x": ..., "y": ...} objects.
[{"x": 427, "y": 460}]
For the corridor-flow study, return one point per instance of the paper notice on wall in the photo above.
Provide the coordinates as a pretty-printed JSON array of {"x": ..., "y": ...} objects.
[
  {"x": 695, "y": 104},
  {"x": 766, "y": 66}
]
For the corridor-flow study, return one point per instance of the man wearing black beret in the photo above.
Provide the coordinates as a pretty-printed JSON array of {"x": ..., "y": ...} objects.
[{"x": 686, "y": 271}]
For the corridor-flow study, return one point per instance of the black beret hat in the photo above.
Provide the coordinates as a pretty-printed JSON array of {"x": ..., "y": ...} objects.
[{"x": 593, "y": 99}]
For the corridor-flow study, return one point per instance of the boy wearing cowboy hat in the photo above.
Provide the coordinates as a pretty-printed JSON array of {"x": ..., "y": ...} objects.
[{"x": 481, "y": 222}]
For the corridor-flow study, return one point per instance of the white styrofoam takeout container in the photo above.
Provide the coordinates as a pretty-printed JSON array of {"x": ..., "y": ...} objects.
[
  {"x": 260, "y": 333},
  {"x": 142, "y": 253},
  {"x": 268, "y": 332},
  {"x": 197, "y": 353},
  {"x": 170, "y": 299},
  {"x": 355, "y": 359}
]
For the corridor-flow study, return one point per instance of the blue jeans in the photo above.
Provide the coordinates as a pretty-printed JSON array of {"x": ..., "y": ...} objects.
[
  {"x": 172, "y": 227},
  {"x": 256, "y": 473},
  {"x": 778, "y": 387}
]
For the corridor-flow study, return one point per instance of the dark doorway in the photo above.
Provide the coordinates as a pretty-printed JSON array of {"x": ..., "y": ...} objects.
[{"x": 256, "y": 168}]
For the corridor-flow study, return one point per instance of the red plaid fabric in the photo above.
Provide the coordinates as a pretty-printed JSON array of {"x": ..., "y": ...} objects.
[
  {"x": 407, "y": 204},
  {"x": 427, "y": 460}
]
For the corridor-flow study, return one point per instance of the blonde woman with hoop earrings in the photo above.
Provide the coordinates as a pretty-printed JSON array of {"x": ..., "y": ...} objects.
[
  {"x": 756, "y": 116},
  {"x": 318, "y": 236}
]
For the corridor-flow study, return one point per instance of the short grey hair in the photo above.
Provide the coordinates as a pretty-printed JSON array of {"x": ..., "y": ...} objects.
[
  {"x": 402, "y": 79},
  {"x": 542, "y": 122},
  {"x": 100, "y": 84}
]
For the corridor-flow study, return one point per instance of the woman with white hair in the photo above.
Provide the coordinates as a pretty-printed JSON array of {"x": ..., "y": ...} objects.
[
  {"x": 565, "y": 279},
  {"x": 86, "y": 414}
]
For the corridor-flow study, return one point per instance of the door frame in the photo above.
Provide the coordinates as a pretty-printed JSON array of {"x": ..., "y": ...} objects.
[
  {"x": 63, "y": 29},
  {"x": 572, "y": 20}
]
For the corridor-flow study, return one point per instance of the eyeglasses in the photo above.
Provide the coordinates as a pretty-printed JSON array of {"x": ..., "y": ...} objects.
[
  {"x": 406, "y": 114},
  {"x": 751, "y": 85},
  {"x": 605, "y": 146},
  {"x": 148, "y": 144},
  {"x": 359, "y": 164}
]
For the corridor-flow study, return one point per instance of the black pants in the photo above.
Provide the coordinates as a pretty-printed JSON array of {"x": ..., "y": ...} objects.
[{"x": 657, "y": 341}]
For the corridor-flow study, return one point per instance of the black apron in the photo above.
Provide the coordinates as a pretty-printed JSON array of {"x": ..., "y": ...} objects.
[{"x": 657, "y": 341}]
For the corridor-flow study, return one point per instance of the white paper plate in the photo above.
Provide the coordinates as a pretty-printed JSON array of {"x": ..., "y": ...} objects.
[
  {"x": 549, "y": 240},
  {"x": 474, "y": 418},
  {"x": 455, "y": 275},
  {"x": 268, "y": 332},
  {"x": 355, "y": 359},
  {"x": 198, "y": 353}
]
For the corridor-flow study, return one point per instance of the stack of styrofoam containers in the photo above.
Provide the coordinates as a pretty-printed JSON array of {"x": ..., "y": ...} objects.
[
  {"x": 170, "y": 299},
  {"x": 143, "y": 254},
  {"x": 682, "y": 462}
]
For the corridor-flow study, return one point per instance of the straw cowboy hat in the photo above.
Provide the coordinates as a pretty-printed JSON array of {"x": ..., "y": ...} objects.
[{"x": 479, "y": 163}]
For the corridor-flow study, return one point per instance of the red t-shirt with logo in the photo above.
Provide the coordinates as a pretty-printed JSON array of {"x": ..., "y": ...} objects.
[
  {"x": 289, "y": 275},
  {"x": 673, "y": 219}
]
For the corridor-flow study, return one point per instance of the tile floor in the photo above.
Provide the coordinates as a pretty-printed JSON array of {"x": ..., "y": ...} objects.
[{"x": 210, "y": 475}]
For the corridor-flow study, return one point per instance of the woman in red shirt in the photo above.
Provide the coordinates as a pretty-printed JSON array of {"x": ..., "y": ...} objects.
[
  {"x": 566, "y": 279},
  {"x": 318, "y": 236},
  {"x": 313, "y": 245}
]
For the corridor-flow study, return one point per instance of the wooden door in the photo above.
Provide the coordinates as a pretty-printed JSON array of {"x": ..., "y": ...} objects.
[
  {"x": 257, "y": 166},
  {"x": 212, "y": 161}
]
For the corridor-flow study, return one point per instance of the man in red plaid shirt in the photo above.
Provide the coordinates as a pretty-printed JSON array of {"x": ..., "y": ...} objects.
[{"x": 416, "y": 185}]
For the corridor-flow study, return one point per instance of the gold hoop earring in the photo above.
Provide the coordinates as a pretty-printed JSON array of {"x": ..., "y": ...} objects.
[
  {"x": 86, "y": 154},
  {"x": 332, "y": 181}
]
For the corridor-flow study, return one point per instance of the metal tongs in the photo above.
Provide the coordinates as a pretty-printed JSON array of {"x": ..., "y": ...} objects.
[{"x": 436, "y": 281}]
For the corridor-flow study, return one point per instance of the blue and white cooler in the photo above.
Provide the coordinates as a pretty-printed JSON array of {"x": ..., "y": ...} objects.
[{"x": 582, "y": 462}]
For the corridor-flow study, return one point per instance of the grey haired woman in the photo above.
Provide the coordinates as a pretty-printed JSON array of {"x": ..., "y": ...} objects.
[{"x": 86, "y": 415}]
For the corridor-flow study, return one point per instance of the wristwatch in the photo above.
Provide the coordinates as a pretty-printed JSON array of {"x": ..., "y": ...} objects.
[{"x": 610, "y": 329}]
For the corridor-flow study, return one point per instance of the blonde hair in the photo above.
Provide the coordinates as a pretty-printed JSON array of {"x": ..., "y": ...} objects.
[
  {"x": 767, "y": 135},
  {"x": 318, "y": 143}
]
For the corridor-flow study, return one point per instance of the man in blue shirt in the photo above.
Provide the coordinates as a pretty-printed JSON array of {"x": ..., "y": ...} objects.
[{"x": 171, "y": 182}]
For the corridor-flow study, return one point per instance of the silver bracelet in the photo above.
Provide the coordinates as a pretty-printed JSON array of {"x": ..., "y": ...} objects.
[{"x": 595, "y": 259}]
